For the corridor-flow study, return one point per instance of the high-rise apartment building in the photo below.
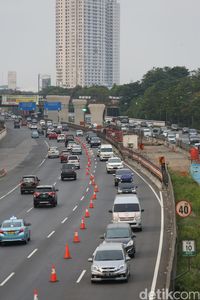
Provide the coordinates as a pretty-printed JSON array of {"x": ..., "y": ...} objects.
[
  {"x": 12, "y": 80},
  {"x": 87, "y": 42}
]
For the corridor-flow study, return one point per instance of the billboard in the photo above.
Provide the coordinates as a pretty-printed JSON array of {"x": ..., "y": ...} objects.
[{"x": 16, "y": 99}]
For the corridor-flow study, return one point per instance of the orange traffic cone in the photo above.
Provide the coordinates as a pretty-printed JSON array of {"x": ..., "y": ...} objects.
[
  {"x": 94, "y": 196},
  {"x": 67, "y": 253},
  {"x": 35, "y": 295},
  {"x": 91, "y": 204},
  {"x": 91, "y": 177},
  {"x": 82, "y": 225},
  {"x": 86, "y": 173},
  {"x": 96, "y": 189},
  {"x": 53, "y": 277},
  {"x": 76, "y": 237},
  {"x": 93, "y": 182},
  {"x": 87, "y": 214}
]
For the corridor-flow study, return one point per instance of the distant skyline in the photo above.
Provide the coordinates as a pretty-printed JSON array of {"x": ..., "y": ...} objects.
[{"x": 154, "y": 33}]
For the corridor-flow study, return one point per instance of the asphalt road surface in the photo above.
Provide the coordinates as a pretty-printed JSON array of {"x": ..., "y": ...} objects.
[{"x": 28, "y": 267}]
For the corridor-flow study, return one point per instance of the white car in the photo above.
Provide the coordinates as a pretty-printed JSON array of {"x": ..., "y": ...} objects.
[
  {"x": 42, "y": 122},
  {"x": 61, "y": 137},
  {"x": 70, "y": 145},
  {"x": 76, "y": 149},
  {"x": 33, "y": 127},
  {"x": 49, "y": 123},
  {"x": 113, "y": 164},
  {"x": 79, "y": 132},
  {"x": 171, "y": 138},
  {"x": 74, "y": 159},
  {"x": 53, "y": 152}
]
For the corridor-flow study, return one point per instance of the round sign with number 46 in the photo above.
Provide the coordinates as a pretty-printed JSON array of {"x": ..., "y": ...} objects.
[{"x": 183, "y": 208}]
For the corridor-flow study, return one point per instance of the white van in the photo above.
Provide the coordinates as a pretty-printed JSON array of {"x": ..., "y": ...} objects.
[
  {"x": 127, "y": 209},
  {"x": 105, "y": 151}
]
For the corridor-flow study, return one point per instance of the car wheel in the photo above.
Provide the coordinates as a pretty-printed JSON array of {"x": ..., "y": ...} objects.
[
  {"x": 108, "y": 172},
  {"x": 35, "y": 205},
  {"x": 116, "y": 184},
  {"x": 22, "y": 192}
]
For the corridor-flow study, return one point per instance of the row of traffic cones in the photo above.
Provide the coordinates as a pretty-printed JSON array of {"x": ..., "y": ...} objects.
[{"x": 76, "y": 239}]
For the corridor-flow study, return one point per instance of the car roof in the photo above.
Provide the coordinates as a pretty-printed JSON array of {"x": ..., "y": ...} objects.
[
  {"x": 106, "y": 145},
  {"x": 120, "y": 199},
  {"x": 110, "y": 246},
  {"x": 118, "y": 225},
  {"x": 13, "y": 219}
]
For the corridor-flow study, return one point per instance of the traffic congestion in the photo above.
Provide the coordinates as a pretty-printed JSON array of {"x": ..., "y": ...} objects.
[{"x": 79, "y": 166}]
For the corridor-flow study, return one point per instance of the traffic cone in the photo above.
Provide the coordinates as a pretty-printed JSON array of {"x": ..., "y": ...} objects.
[
  {"x": 94, "y": 196},
  {"x": 91, "y": 204},
  {"x": 67, "y": 253},
  {"x": 35, "y": 295},
  {"x": 87, "y": 214},
  {"x": 86, "y": 173},
  {"x": 76, "y": 237},
  {"x": 96, "y": 189},
  {"x": 91, "y": 177},
  {"x": 82, "y": 225},
  {"x": 93, "y": 182},
  {"x": 53, "y": 277}
]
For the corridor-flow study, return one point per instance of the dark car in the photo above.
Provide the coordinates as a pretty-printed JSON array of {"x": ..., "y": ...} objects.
[
  {"x": 123, "y": 175},
  {"x": 45, "y": 195},
  {"x": 65, "y": 127},
  {"x": 121, "y": 233},
  {"x": 29, "y": 183},
  {"x": 16, "y": 124},
  {"x": 90, "y": 135},
  {"x": 126, "y": 188},
  {"x": 95, "y": 141},
  {"x": 68, "y": 172},
  {"x": 40, "y": 131}
]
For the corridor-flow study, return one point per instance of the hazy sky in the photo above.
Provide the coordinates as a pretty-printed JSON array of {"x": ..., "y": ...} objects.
[{"x": 154, "y": 33}]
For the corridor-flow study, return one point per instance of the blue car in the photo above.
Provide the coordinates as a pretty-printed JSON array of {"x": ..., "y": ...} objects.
[
  {"x": 15, "y": 230},
  {"x": 123, "y": 175}
]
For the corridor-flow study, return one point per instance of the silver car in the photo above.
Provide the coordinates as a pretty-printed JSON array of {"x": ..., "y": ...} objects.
[{"x": 110, "y": 262}]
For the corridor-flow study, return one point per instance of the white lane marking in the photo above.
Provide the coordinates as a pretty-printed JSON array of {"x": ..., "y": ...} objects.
[
  {"x": 46, "y": 144},
  {"x": 42, "y": 162},
  {"x": 157, "y": 197},
  {"x": 32, "y": 253},
  {"x": 4, "y": 282},
  {"x": 75, "y": 207},
  {"x": 94, "y": 171},
  {"x": 155, "y": 275},
  {"x": 87, "y": 189},
  {"x": 8, "y": 193},
  {"x": 55, "y": 183},
  {"x": 59, "y": 177},
  {"x": 29, "y": 209},
  {"x": 64, "y": 220},
  {"x": 82, "y": 198},
  {"x": 95, "y": 166},
  {"x": 50, "y": 234},
  {"x": 81, "y": 276}
]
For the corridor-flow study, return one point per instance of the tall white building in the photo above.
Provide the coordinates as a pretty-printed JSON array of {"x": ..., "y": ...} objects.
[
  {"x": 87, "y": 42},
  {"x": 12, "y": 80}
]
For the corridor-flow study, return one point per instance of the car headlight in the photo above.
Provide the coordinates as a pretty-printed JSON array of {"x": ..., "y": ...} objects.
[
  {"x": 119, "y": 191},
  {"x": 133, "y": 190},
  {"x": 130, "y": 243},
  {"x": 95, "y": 268},
  {"x": 122, "y": 267},
  {"x": 138, "y": 218}
]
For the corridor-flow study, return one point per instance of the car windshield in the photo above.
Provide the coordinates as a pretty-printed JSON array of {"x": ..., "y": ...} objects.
[
  {"x": 68, "y": 166},
  {"x": 9, "y": 224},
  {"x": 103, "y": 255},
  {"x": 126, "y": 207},
  {"x": 114, "y": 160},
  {"x": 106, "y": 150},
  {"x": 72, "y": 158},
  {"x": 122, "y": 172},
  {"x": 126, "y": 185},
  {"x": 114, "y": 233},
  {"x": 28, "y": 179},
  {"x": 44, "y": 189}
]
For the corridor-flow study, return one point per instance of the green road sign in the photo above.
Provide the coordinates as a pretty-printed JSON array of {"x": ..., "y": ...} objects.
[{"x": 188, "y": 248}]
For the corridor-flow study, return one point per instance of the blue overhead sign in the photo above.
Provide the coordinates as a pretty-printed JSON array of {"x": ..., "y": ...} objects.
[
  {"x": 28, "y": 106},
  {"x": 52, "y": 105}
]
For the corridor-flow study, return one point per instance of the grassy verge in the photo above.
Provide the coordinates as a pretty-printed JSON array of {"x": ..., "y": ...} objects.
[{"x": 188, "y": 228}]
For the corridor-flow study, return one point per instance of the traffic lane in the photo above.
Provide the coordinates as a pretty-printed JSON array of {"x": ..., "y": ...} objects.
[
  {"x": 68, "y": 197},
  {"x": 69, "y": 271},
  {"x": 29, "y": 165}
]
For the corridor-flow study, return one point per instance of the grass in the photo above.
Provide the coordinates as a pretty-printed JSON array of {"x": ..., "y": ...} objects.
[{"x": 185, "y": 188}]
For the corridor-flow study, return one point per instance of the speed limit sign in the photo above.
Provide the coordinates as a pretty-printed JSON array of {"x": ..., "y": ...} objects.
[{"x": 183, "y": 208}]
